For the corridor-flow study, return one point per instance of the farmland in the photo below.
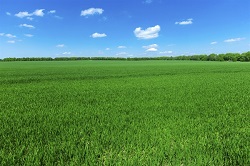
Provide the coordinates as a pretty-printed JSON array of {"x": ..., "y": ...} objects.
[{"x": 124, "y": 113}]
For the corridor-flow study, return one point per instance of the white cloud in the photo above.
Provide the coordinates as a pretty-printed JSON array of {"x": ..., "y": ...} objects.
[
  {"x": 186, "y": 22},
  {"x": 51, "y": 11},
  {"x": 150, "y": 48},
  {"x": 55, "y": 16},
  {"x": 233, "y": 40},
  {"x": 121, "y": 47},
  {"x": 60, "y": 45},
  {"x": 11, "y": 41},
  {"x": 66, "y": 53},
  {"x": 8, "y": 13},
  {"x": 92, "y": 11},
  {"x": 107, "y": 49},
  {"x": 215, "y": 42},
  {"x": 10, "y": 36},
  {"x": 166, "y": 52},
  {"x": 26, "y": 25},
  {"x": 149, "y": 33},
  {"x": 122, "y": 53},
  {"x": 28, "y": 35},
  {"x": 98, "y": 35},
  {"x": 23, "y": 14},
  {"x": 37, "y": 12},
  {"x": 30, "y": 18}
]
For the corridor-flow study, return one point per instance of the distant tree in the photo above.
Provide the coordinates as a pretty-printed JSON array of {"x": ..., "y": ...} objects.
[
  {"x": 203, "y": 57},
  {"x": 220, "y": 57},
  {"x": 212, "y": 57},
  {"x": 9, "y": 59},
  {"x": 247, "y": 56},
  {"x": 244, "y": 57},
  {"x": 230, "y": 57}
]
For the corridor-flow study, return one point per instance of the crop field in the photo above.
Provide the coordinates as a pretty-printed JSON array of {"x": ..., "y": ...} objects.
[{"x": 124, "y": 113}]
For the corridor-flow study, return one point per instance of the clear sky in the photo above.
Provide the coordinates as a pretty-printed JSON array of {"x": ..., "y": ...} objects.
[{"x": 123, "y": 28}]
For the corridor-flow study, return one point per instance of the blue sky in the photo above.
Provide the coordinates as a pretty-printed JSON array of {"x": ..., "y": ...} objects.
[{"x": 123, "y": 28}]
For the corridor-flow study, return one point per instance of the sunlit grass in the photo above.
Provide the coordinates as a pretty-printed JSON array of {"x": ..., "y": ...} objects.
[{"x": 124, "y": 113}]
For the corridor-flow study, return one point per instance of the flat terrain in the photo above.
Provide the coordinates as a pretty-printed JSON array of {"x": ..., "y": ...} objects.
[{"x": 124, "y": 113}]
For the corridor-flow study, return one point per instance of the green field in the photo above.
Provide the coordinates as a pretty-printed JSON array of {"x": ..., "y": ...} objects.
[{"x": 125, "y": 113}]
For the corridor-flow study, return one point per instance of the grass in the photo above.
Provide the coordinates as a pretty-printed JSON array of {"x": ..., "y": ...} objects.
[{"x": 124, "y": 113}]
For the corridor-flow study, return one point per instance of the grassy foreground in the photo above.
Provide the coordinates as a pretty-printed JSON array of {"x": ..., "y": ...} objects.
[{"x": 124, "y": 113}]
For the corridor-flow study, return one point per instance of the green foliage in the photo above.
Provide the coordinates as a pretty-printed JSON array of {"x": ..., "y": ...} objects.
[
  {"x": 124, "y": 113},
  {"x": 244, "y": 57}
]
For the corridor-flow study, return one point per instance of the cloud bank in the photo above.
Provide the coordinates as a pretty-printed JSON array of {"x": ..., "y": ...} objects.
[
  {"x": 149, "y": 33},
  {"x": 186, "y": 22},
  {"x": 91, "y": 11},
  {"x": 151, "y": 48},
  {"x": 233, "y": 40},
  {"x": 37, "y": 12},
  {"x": 27, "y": 26},
  {"x": 98, "y": 35}
]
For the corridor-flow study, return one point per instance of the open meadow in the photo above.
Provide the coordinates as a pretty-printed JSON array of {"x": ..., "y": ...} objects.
[{"x": 124, "y": 113}]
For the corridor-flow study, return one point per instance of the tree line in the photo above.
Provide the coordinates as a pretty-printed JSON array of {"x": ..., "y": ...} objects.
[{"x": 243, "y": 57}]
